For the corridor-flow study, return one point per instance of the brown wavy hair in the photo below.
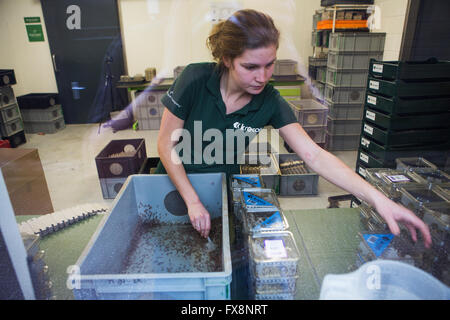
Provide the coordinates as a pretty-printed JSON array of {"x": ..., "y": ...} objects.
[{"x": 245, "y": 29}]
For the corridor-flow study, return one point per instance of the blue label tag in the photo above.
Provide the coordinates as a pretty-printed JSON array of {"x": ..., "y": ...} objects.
[
  {"x": 378, "y": 242},
  {"x": 252, "y": 200},
  {"x": 253, "y": 181},
  {"x": 270, "y": 221}
]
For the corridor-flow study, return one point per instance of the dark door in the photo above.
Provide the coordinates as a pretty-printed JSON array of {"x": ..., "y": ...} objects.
[{"x": 86, "y": 48}]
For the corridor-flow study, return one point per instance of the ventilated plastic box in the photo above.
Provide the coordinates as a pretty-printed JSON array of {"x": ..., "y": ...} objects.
[
  {"x": 37, "y": 100},
  {"x": 344, "y": 95},
  {"x": 437, "y": 217},
  {"x": 253, "y": 198},
  {"x": 273, "y": 255},
  {"x": 407, "y": 122},
  {"x": 285, "y": 67},
  {"x": 11, "y": 127},
  {"x": 407, "y": 137},
  {"x": 296, "y": 179},
  {"x": 7, "y": 77},
  {"x": 346, "y": 78},
  {"x": 357, "y": 42},
  {"x": 401, "y": 88},
  {"x": 316, "y": 133},
  {"x": 17, "y": 139},
  {"x": 399, "y": 105},
  {"x": 148, "y": 106},
  {"x": 341, "y": 142},
  {"x": 413, "y": 163},
  {"x": 432, "y": 176},
  {"x": 149, "y": 124},
  {"x": 121, "y": 158},
  {"x": 146, "y": 247},
  {"x": 256, "y": 220},
  {"x": 266, "y": 165},
  {"x": 344, "y": 126},
  {"x": 410, "y": 70},
  {"x": 51, "y": 126},
  {"x": 9, "y": 113},
  {"x": 238, "y": 182},
  {"x": 111, "y": 186},
  {"x": 371, "y": 220},
  {"x": 48, "y": 114},
  {"x": 384, "y": 246},
  {"x": 310, "y": 112},
  {"x": 415, "y": 196},
  {"x": 6, "y": 96},
  {"x": 351, "y": 60},
  {"x": 319, "y": 62},
  {"x": 344, "y": 111}
]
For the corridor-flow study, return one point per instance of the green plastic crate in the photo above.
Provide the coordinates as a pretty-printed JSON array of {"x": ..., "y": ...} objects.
[
  {"x": 398, "y": 105},
  {"x": 408, "y": 70},
  {"x": 401, "y": 88}
]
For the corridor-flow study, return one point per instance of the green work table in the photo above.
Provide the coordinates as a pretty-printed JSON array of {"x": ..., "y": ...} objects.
[{"x": 326, "y": 239}]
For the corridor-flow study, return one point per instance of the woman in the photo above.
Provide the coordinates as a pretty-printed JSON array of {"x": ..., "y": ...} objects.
[{"x": 234, "y": 95}]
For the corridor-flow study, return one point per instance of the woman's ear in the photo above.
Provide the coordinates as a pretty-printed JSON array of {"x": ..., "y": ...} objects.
[{"x": 227, "y": 62}]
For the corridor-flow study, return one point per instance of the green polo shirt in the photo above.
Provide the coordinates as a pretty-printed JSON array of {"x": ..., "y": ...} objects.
[{"x": 213, "y": 141}]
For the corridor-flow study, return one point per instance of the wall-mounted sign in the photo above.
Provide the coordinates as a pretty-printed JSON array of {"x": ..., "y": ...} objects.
[{"x": 34, "y": 30}]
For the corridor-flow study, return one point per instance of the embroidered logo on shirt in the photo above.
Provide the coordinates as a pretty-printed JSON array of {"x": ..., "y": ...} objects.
[{"x": 243, "y": 127}]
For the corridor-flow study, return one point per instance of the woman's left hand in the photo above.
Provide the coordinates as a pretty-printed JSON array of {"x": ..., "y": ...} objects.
[{"x": 393, "y": 213}]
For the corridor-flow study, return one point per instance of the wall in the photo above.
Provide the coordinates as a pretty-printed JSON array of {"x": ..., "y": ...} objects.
[
  {"x": 168, "y": 33},
  {"x": 31, "y": 61},
  {"x": 392, "y": 19}
]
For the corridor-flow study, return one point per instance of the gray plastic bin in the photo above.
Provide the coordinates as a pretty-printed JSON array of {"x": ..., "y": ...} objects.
[
  {"x": 111, "y": 267},
  {"x": 9, "y": 113},
  {"x": 357, "y": 42},
  {"x": 348, "y": 126},
  {"x": 293, "y": 183},
  {"x": 51, "y": 126},
  {"x": 345, "y": 95},
  {"x": 352, "y": 60},
  {"x": 346, "y": 78},
  {"x": 48, "y": 114},
  {"x": 344, "y": 111}
]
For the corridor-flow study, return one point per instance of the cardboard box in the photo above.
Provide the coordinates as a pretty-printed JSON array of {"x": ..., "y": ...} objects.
[{"x": 25, "y": 180}]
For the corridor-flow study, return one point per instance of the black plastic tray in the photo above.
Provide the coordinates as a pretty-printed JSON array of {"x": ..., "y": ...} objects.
[
  {"x": 402, "y": 88},
  {"x": 409, "y": 70},
  {"x": 38, "y": 100},
  {"x": 398, "y": 105},
  {"x": 7, "y": 77}
]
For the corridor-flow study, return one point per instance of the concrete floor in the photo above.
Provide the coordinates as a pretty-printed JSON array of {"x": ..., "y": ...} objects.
[{"x": 71, "y": 173}]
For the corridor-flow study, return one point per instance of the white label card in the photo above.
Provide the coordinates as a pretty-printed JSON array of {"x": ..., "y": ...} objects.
[
  {"x": 364, "y": 157},
  {"x": 377, "y": 68},
  {"x": 374, "y": 85},
  {"x": 372, "y": 100},
  {"x": 362, "y": 172},
  {"x": 275, "y": 249},
  {"x": 398, "y": 178},
  {"x": 368, "y": 129},
  {"x": 370, "y": 115},
  {"x": 365, "y": 142}
]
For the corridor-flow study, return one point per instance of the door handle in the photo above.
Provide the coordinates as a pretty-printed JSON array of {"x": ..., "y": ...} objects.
[{"x": 54, "y": 63}]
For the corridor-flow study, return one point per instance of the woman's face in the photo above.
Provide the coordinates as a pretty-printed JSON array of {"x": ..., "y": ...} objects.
[{"x": 252, "y": 70}]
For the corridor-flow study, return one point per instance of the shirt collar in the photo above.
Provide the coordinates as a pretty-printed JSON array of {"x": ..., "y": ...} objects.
[{"x": 213, "y": 86}]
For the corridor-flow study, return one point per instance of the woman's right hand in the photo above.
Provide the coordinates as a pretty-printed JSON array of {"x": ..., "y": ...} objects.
[{"x": 200, "y": 218}]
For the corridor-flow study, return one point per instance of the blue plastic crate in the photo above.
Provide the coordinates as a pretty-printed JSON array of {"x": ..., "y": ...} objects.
[{"x": 110, "y": 267}]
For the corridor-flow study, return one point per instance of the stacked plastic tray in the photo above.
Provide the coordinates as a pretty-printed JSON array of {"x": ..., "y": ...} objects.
[
  {"x": 118, "y": 160},
  {"x": 148, "y": 109},
  {"x": 420, "y": 186},
  {"x": 312, "y": 116},
  {"x": 11, "y": 124},
  {"x": 271, "y": 250},
  {"x": 41, "y": 113},
  {"x": 406, "y": 113},
  {"x": 346, "y": 77}
]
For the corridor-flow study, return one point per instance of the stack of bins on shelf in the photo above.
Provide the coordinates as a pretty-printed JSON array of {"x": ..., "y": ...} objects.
[
  {"x": 286, "y": 70},
  {"x": 407, "y": 113},
  {"x": 317, "y": 71},
  {"x": 118, "y": 160},
  {"x": 312, "y": 116},
  {"x": 268, "y": 245},
  {"x": 41, "y": 113},
  {"x": 148, "y": 109},
  {"x": 10, "y": 118},
  {"x": 347, "y": 69},
  {"x": 420, "y": 186}
]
